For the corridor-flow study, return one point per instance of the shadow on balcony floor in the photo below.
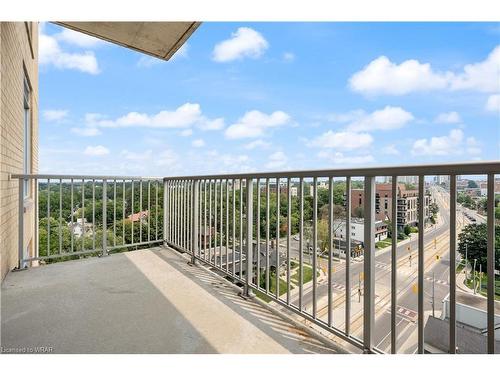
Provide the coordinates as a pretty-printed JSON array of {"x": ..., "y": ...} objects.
[{"x": 145, "y": 301}]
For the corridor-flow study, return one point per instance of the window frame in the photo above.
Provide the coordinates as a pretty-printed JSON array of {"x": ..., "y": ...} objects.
[{"x": 27, "y": 134}]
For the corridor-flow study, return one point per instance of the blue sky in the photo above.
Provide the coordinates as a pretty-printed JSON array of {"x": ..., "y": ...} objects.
[{"x": 272, "y": 96}]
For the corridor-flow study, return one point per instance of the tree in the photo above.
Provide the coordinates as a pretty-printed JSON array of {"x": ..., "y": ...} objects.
[
  {"x": 358, "y": 212},
  {"x": 474, "y": 238},
  {"x": 471, "y": 184}
]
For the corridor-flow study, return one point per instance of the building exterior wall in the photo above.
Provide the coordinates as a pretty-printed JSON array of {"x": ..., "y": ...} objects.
[
  {"x": 407, "y": 203},
  {"x": 18, "y": 58}
]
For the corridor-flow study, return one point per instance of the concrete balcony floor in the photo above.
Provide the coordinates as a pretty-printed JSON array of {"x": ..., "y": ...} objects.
[{"x": 144, "y": 301}]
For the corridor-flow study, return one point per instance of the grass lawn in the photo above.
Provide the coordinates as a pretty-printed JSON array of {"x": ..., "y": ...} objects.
[
  {"x": 484, "y": 285},
  {"x": 272, "y": 287},
  {"x": 387, "y": 242},
  {"x": 307, "y": 275}
]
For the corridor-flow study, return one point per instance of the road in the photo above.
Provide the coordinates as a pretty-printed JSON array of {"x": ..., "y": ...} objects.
[{"x": 436, "y": 271}]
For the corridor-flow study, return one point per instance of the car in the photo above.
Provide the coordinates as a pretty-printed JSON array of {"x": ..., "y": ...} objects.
[{"x": 296, "y": 237}]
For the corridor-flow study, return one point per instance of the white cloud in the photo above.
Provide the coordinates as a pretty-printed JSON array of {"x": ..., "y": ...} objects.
[
  {"x": 167, "y": 158},
  {"x": 245, "y": 42},
  {"x": 277, "y": 160},
  {"x": 493, "y": 103},
  {"x": 259, "y": 143},
  {"x": 448, "y": 118},
  {"x": 483, "y": 76},
  {"x": 198, "y": 143},
  {"x": 388, "y": 118},
  {"x": 86, "y": 131},
  {"x": 382, "y": 76},
  {"x": 96, "y": 151},
  {"x": 452, "y": 144},
  {"x": 288, "y": 56},
  {"x": 254, "y": 124},
  {"x": 345, "y": 140},
  {"x": 54, "y": 114},
  {"x": 50, "y": 53},
  {"x": 186, "y": 133},
  {"x": 78, "y": 39},
  {"x": 340, "y": 158},
  {"x": 185, "y": 116},
  {"x": 390, "y": 150},
  {"x": 216, "y": 124},
  {"x": 136, "y": 156}
]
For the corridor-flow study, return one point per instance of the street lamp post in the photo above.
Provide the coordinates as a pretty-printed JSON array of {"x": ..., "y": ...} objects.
[
  {"x": 433, "y": 286},
  {"x": 474, "y": 277}
]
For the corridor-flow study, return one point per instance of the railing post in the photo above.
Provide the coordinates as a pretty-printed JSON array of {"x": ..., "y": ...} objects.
[
  {"x": 21, "y": 225},
  {"x": 194, "y": 220},
  {"x": 369, "y": 264},
  {"x": 247, "y": 291},
  {"x": 166, "y": 206},
  {"x": 104, "y": 218}
]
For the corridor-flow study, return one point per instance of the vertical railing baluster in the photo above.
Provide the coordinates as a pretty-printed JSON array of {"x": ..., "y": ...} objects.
[
  {"x": 315, "y": 245},
  {"x": 194, "y": 218},
  {"x": 149, "y": 211},
  {"x": 83, "y": 215},
  {"x": 330, "y": 251},
  {"x": 268, "y": 266},
  {"x": 421, "y": 255},
  {"x": 394, "y": 234},
  {"x": 140, "y": 210},
  {"x": 71, "y": 217},
  {"x": 60, "y": 215},
  {"x": 93, "y": 214},
  {"x": 36, "y": 221},
  {"x": 132, "y": 213},
  {"x": 114, "y": 213},
  {"x": 249, "y": 235},
  {"x": 301, "y": 242},
  {"x": 104, "y": 217},
  {"x": 221, "y": 224},
  {"x": 278, "y": 193},
  {"x": 257, "y": 214},
  {"x": 156, "y": 210},
  {"x": 369, "y": 263},
  {"x": 289, "y": 234},
  {"x": 123, "y": 212},
  {"x": 241, "y": 229},
  {"x": 20, "y": 223},
  {"x": 490, "y": 262},
  {"x": 227, "y": 225},
  {"x": 453, "y": 255},
  {"x": 348, "y": 256},
  {"x": 210, "y": 221},
  {"x": 166, "y": 212},
  {"x": 234, "y": 228},
  {"x": 48, "y": 216}
]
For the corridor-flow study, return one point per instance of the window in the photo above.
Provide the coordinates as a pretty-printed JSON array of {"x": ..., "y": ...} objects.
[{"x": 27, "y": 135}]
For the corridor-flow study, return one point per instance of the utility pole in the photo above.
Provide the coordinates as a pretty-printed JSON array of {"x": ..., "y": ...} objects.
[
  {"x": 474, "y": 276},
  {"x": 359, "y": 288},
  {"x": 433, "y": 285},
  {"x": 465, "y": 261},
  {"x": 480, "y": 278}
]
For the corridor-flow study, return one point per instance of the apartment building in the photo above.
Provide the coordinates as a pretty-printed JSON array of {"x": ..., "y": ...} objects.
[
  {"x": 19, "y": 136},
  {"x": 407, "y": 204}
]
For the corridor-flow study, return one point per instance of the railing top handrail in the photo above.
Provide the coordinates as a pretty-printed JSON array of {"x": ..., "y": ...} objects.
[
  {"x": 82, "y": 177},
  {"x": 465, "y": 168}
]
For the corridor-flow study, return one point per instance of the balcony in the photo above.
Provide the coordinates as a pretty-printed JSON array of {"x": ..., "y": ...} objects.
[{"x": 264, "y": 278}]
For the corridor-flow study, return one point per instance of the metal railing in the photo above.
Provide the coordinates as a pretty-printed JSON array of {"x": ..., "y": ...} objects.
[
  {"x": 80, "y": 215},
  {"x": 266, "y": 232}
]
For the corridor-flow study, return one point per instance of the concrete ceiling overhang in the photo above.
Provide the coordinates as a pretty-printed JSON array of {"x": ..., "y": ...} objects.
[{"x": 158, "y": 39}]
